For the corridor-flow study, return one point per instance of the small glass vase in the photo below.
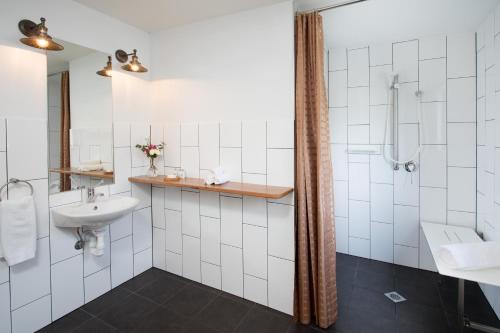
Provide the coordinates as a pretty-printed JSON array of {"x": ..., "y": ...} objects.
[{"x": 153, "y": 170}]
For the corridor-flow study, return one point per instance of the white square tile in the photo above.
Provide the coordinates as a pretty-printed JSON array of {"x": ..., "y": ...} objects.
[
  {"x": 461, "y": 55},
  {"x": 189, "y": 134},
  {"x": 34, "y": 164},
  {"x": 434, "y": 123},
  {"x": 157, "y": 133},
  {"x": 337, "y": 59},
  {"x": 232, "y": 270},
  {"x": 359, "y": 181},
  {"x": 191, "y": 258},
  {"x": 121, "y": 134},
  {"x": 406, "y": 187},
  {"x": 67, "y": 286},
  {"x": 209, "y": 204},
  {"x": 92, "y": 263},
  {"x": 4, "y": 272},
  {"x": 255, "y": 251},
  {"x": 173, "y": 198},
  {"x": 381, "y": 54},
  {"x": 360, "y": 158},
  {"x": 211, "y": 275},
  {"x": 255, "y": 289},
  {"x": 254, "y": 146},
  {"x": 358, "y": 109},
  {"x": 230, "y": 161},
  {"x": 174, "y": 263},
  {"x": 158, "y": 206},
  {"x": 31, "y": 279},
  {"x": 338, "y": 125},
  {"x": 210, "y": 240},
  {"x": 359, "y": 219},
  {"x": 337, "y": 89},
  {"x": 280, "y": 167},
  {"x": 97, "y": 284},
  {"x": 191, "y": 213},
  {"x": 378, "y": 124},
  {"x": 142, "y": 229},
  {"x": 159, "y": 242},
  {"x": 209, "y": 145},
  {"x": 426, "y": 260},
  {"x": 190, "y": 161},
  {"x": 33, "y": 316},
  {"x": 139, "y": 134},
  {"x": 5, "y": 325},
  {"x": 281, "y": 284},
  {"x": 172, "y": 152},
  {"x": 433, "y": 166},
  {"x": 143, "y": 261},
  {"x": 173, "y": 235},
  {"x": 281, "y": 231},
  {"x": 122, "y": 170},
  {"x": 408, "y": 103},
  {"x": 254, "y": 178},
  {"x": 405, "y": 60},
  {"x": 230, "y": 134},
  {"x": 280, "y": 133},
  {"x": 339, "y": 161},
  {"x": 406, "y": 225},
  {"x": 359, "y": 134},
  {"x": 433, "y": 80},
  {"x": 431, "y": 47},
  {"x": 62, "y": 243},
  {"x": 359, "y": 247},
  {"x": 481, "y": 74},
  {"x": 433, "y": 205},
  {"x": 340, "y": 196},
  {"x": 406, "y": 256},
  {"x": 358, "y": 67},
  {"x": 462, "y": 219},
  {"x": 380, "y": 170},
  {"x": 122, "y": 262},
  {"x": 121, "y": 227},
  {"x": 342, "y": 234},
  {"x": 231, "y": 221},
  {"x": 462, "y": 99},
  {"x": 381, "y": 203},
  {"x": 462, "y": 144},
  {"x": 382, "y": 242},
  {"x": 379, "y": 85},
  {"x": 255, "y": 211}
]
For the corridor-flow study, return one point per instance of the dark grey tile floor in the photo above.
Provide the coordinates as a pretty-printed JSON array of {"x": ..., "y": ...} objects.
[{"x": 157, "y": 301}]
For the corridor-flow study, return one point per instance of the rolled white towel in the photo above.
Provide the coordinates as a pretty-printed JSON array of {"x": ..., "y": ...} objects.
[
  {"x": 471, "y": 256},
  {"x": 90, "y": 162},
  {"x": 90, "y": 167}
]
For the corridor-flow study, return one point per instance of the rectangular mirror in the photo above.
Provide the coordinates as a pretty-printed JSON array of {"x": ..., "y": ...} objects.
[{"x": 80, "y": 119}]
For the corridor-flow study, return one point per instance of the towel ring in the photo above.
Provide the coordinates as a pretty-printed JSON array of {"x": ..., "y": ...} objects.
[{"x": 15, "y": 181}]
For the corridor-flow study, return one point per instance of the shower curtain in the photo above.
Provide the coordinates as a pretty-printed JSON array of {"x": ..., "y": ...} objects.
[
  {"x": 315, "y": 276},
  {"x": 65, "y": 181}
]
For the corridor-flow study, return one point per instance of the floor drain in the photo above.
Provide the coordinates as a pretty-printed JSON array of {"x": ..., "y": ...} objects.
[{"x": 395, "y": 297}]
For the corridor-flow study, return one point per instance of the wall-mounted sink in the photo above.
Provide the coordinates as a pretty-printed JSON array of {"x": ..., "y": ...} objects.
[{"x": 93, "y": 214}]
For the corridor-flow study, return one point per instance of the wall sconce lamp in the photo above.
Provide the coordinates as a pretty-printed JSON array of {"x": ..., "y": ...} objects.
[
  {"x": 134, "y": 65},
  {"x": 107, "y": 70},
  {"x": 36, "y": 35}
]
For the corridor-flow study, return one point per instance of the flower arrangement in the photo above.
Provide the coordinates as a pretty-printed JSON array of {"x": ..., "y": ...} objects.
[{"x": 151, "y": 151}]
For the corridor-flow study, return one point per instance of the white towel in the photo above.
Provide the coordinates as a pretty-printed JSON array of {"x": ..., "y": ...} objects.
[
  {"x": 471, "y": 256},
  {"x": 17, "y": 230},
  {"x": 90, "y": 162},
  {"x": 217, "y": 176},
  {"x": 90, "y": 167}
]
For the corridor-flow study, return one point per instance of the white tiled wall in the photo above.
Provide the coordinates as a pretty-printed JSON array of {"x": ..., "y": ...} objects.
[
  {"x": 378, "y": 210},
  {"x": 242, "y": 245},
  {"x": 488, "y": 138}
]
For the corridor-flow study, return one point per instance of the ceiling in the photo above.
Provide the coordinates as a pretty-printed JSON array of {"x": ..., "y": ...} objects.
[{"x": 156, "y": 15}]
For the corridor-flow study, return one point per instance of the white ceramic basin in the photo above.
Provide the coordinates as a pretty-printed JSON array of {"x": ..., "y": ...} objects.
[{"x": 93, "y": 214}]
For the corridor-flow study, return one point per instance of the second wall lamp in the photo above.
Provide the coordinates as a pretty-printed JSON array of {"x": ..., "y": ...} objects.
[{"x": 134, "y": 65}]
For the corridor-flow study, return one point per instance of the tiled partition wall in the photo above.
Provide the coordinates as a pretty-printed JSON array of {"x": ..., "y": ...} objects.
[
  {"x": 60, "y": 278},
  {"x": 378, "y": 210},
  {"x": 242, "y": 245},
  {"x": 488, "y": 136}
]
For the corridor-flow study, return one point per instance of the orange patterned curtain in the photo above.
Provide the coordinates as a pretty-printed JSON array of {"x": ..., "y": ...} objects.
[
  {"x": 65, "y": 181},
  {"x": 315, "y": 276}
]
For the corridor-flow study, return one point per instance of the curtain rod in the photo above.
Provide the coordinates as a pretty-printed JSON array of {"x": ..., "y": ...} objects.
[{"x": 322, "y": 9}]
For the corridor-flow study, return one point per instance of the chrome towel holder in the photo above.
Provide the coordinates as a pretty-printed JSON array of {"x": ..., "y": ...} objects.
[{"x": 16, "y": 181}]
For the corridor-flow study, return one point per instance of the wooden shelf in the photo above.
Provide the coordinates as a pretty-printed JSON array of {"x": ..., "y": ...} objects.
[
  {"x": 254, "y": 190},
  {"x": 94, "y": 174}
]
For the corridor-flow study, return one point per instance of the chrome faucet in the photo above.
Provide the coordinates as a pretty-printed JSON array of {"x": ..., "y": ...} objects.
[{"x": 92, "y": 195}]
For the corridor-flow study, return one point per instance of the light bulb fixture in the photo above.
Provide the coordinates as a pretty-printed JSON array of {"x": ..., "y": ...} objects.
[
  {"x": 107, "y": 70},
  {"x": 134, "y": 65},
  {"x": 36, "y": 35}
]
